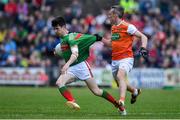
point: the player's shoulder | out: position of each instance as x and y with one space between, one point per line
125 23
76 36
122 24
73 35
128 25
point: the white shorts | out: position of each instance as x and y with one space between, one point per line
125 64
81 71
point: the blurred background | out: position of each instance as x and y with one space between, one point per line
27 40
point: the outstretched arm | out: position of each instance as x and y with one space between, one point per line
105 40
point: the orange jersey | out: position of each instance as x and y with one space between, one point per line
122 39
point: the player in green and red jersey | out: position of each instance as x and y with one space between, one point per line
75 51
83 42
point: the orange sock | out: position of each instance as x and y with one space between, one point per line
122 99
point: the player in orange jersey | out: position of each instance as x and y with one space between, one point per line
122 55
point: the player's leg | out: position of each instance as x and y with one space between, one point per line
130 88
120 70
99 92
119 75
126 65
135 92
61 83
121 105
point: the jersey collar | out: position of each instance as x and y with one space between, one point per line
120 22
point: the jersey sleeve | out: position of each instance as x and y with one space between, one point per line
131 29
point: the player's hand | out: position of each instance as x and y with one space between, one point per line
144 53
98 37
64 69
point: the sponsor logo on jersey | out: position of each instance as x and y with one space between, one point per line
115 36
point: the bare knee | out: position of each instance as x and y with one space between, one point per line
60 83
121 75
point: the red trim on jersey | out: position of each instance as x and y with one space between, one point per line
78 36
89 68
65 47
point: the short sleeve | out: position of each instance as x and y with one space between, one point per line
131 29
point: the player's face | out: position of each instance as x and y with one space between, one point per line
112 16
59 30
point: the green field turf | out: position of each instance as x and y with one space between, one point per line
30 103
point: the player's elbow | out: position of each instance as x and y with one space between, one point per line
144 38
75 51
76 54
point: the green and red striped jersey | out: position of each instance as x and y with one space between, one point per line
83 41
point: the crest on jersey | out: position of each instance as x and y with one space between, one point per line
115 36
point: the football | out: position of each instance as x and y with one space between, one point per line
58 50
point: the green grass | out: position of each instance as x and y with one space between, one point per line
46 103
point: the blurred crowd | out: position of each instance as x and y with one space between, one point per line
27 38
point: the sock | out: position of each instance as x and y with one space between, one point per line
109 97
67 94
122 99
135 92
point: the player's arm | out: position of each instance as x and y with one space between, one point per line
143 49
132 30
105 40
72 59
142 37
74 55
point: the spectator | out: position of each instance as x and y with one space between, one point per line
11 8
26 31
76 8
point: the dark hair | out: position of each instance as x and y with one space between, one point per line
118 10
58 21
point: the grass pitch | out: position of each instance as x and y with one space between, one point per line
46 103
